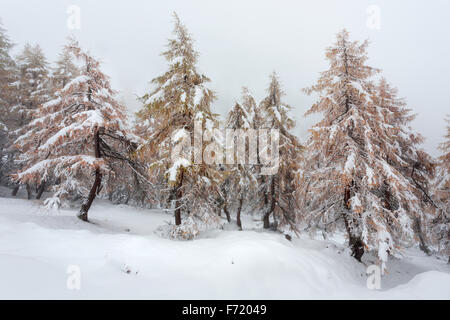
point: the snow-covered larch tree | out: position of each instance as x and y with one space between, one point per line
33 82
70 135
240 174
399 145
241 117
278 187
442 181
440 226
363 162
144 127
179 99
65 69
8 76
31 89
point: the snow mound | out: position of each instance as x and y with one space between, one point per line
120 256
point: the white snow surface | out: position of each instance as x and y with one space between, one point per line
120 257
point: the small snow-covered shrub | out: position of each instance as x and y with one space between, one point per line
187 230
53 203
201 218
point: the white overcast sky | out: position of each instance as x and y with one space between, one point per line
242 42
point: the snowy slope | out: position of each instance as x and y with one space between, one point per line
120 257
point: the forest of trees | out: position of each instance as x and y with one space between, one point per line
64 133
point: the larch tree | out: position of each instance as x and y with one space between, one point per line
31 89
65 69
442 181
241 117
144 127
400 147
278 186
250 107
181 98
440 226
33 83
363 169
62 74
7 78
240 174
73 136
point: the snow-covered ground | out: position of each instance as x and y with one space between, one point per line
119 256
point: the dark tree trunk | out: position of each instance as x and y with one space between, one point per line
15 190
357 248
40 190
356 244
387 197
28 191
266 220
238 215
83 215
272 205
178 195
141 192
96 187
227 213
418 228
266 196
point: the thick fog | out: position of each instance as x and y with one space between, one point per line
242 42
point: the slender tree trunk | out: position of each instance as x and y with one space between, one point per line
40 190
138 187
227 213
238 215
178 195
387 197
83 214
272 205
266 196
356 244
266 220
28 191
15 190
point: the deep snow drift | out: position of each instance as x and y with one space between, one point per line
120 256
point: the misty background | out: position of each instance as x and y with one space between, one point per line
242 42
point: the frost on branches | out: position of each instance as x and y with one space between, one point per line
364 172
8 77
278 187
180 98
32 85
65 69
441 224
241 177
68 139
30 90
